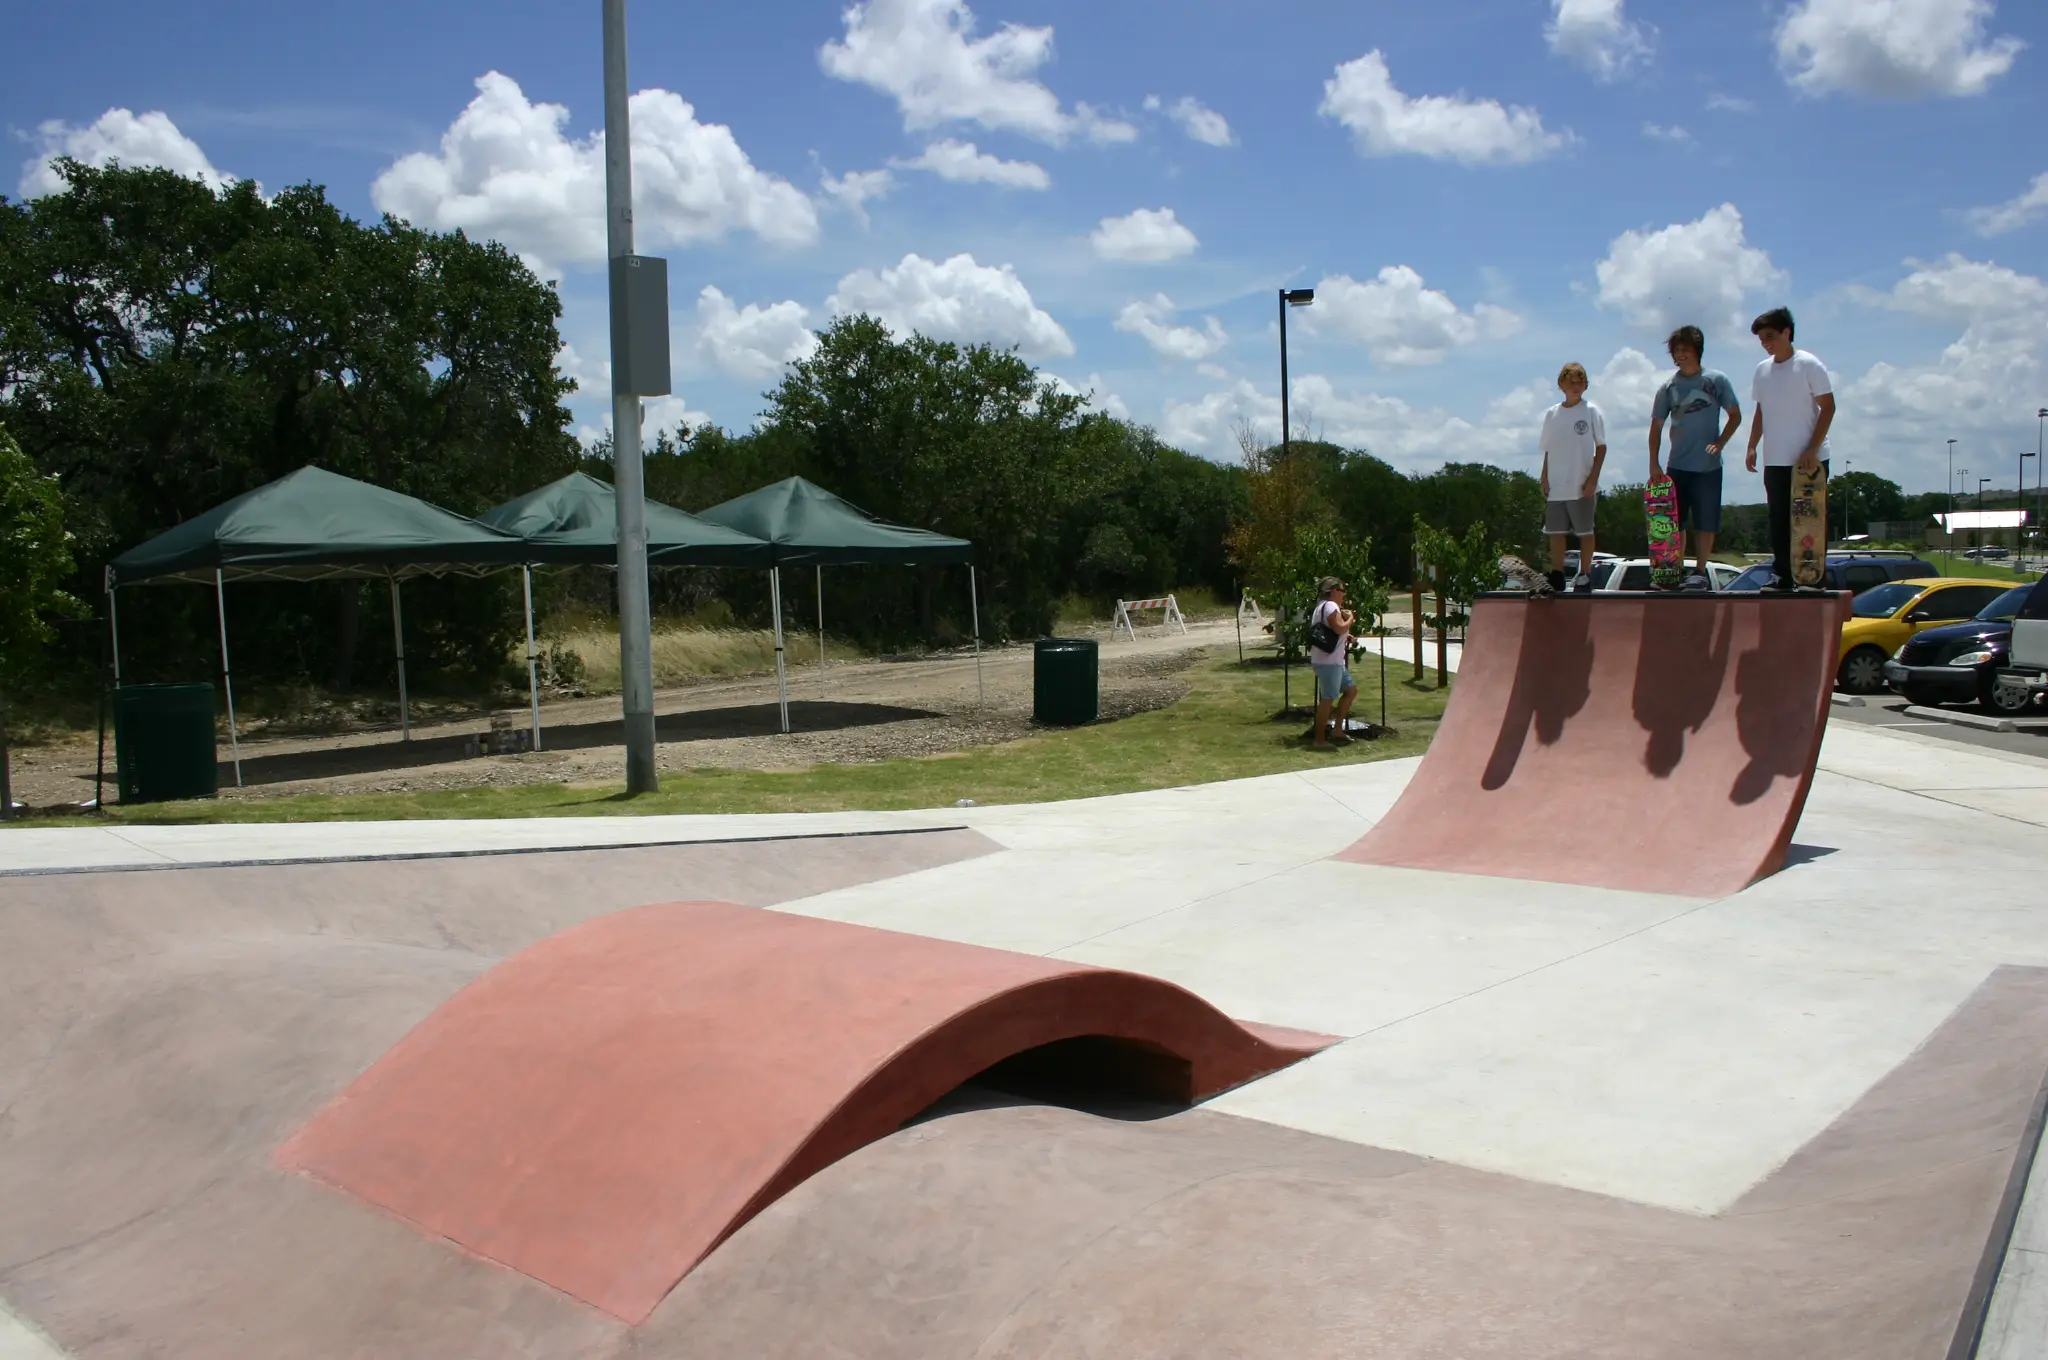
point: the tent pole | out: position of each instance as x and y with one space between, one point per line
532 658
114 624
821 631
227 675
398 641
974 608
781 680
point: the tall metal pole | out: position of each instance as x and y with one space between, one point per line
1948 537
636 649
532 657
398 645
1284 428
227 675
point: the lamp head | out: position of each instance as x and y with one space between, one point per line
1297 297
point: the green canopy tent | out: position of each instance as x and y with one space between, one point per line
805 524
575 519
312 525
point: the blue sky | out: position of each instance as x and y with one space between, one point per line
1479 190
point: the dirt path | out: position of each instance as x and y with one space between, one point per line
861 711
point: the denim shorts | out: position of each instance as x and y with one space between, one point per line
1699 499
1332 681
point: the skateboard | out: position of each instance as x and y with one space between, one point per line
1667 544
1809 527
1526 577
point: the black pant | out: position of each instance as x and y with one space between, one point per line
1778 491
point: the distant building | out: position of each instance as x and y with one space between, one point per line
1977 529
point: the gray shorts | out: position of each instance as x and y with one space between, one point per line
1570 517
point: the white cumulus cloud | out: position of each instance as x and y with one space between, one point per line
752 341
1893 49
505 170
1400 320
954 299
1386 122
1198 121
138 141
853 190
926 55
2014 213
1153 319
1597 35
1657 132
1147 236
1690 273
963 162
1100 398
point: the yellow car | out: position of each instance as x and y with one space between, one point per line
1883 618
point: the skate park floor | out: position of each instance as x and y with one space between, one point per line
1523 1054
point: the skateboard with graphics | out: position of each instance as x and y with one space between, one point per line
1810 527
1667 544
1525 577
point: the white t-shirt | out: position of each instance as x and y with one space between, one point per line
1783 395
1571 437
1325 612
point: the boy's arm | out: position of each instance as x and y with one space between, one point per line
1593 478
1545 479
1756 432
1825 404
1656 443
1734 422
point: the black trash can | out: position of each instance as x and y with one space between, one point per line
1064 691
163 742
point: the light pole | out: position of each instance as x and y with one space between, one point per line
1848 495
2040 462
1289 297
636 651
1948 527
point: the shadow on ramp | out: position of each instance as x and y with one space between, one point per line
1661 743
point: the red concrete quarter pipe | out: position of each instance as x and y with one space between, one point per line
600 1110
1661 743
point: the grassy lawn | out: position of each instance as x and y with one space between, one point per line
1973 567
1223 729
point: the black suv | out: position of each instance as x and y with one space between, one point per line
1853 572
1958 663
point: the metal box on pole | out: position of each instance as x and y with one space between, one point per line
640 364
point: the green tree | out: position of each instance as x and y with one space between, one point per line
35 557
164 347
1461 566
1459 495
1621 522
1320 551
1857 498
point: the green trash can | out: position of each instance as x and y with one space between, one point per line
1064 690
163 742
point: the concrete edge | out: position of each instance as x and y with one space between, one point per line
1976 1310
1983 722
53 871
1841 700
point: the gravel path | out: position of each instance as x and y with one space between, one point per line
861 711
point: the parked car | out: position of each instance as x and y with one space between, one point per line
1624 575
1988 554
2023 681
1884 618
1853 572
1571 562
1958 663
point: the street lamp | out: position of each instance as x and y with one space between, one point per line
1948 536
2040 416
1289 297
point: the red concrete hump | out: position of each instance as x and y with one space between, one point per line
600 1110
1661 743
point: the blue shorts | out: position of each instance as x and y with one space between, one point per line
1699 499
1332 681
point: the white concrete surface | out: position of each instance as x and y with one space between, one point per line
2016 1326
20 1341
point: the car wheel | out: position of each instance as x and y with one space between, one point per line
2007 701
1925 698
1862 671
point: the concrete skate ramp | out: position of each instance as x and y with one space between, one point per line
1014 1231
1662 743
599 1111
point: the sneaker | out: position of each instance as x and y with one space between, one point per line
1556 579
1695 582
1582 582
1778 584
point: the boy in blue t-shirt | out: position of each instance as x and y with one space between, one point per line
1693 400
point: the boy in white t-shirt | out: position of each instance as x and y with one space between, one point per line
1574 447
1795 405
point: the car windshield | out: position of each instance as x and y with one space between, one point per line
2006 607
1881 602
1754 579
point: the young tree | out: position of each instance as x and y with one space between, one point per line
1283 496
35 557
1320 551
1461 567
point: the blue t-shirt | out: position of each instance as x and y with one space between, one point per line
1694 406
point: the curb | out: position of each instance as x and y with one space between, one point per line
1980 721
